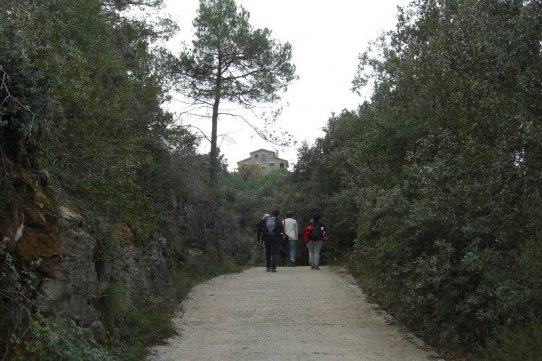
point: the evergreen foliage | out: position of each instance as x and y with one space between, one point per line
437 178
82 84
230 61
58 339
431 189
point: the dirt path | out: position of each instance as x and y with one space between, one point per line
294 314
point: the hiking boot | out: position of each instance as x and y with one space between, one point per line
273 270
268 269
312 267
316 267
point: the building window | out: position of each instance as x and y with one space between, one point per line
281 165
271 164
264 157
255 156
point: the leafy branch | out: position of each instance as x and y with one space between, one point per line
8 97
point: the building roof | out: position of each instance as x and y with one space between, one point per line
260 150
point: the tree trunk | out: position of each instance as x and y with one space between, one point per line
213 167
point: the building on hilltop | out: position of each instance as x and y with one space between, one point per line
267 160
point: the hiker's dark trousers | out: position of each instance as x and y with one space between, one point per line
272 244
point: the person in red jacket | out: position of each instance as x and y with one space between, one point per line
314 236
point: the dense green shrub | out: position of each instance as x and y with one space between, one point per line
442 168
517 343
58 339
16 294
85 103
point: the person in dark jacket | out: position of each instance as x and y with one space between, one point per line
260 225
270 229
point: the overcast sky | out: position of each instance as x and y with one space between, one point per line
326 36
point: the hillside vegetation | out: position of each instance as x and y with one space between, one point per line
106 216
431 190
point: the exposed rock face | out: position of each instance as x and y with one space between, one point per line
40 244
69 218
73 267
59 254
143 270
98 332
77 268
76 288
27 224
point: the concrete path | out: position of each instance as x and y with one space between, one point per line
293 314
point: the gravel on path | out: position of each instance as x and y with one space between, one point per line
293 314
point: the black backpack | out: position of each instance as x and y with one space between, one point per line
316 233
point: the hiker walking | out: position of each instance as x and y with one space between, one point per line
270 229
314 236
261 226
291 230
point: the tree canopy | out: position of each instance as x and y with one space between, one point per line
82 125
431 190
436 180
231 61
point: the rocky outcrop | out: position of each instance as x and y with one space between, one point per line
48 241
76 289
88 267
74 268
143 270
28 223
